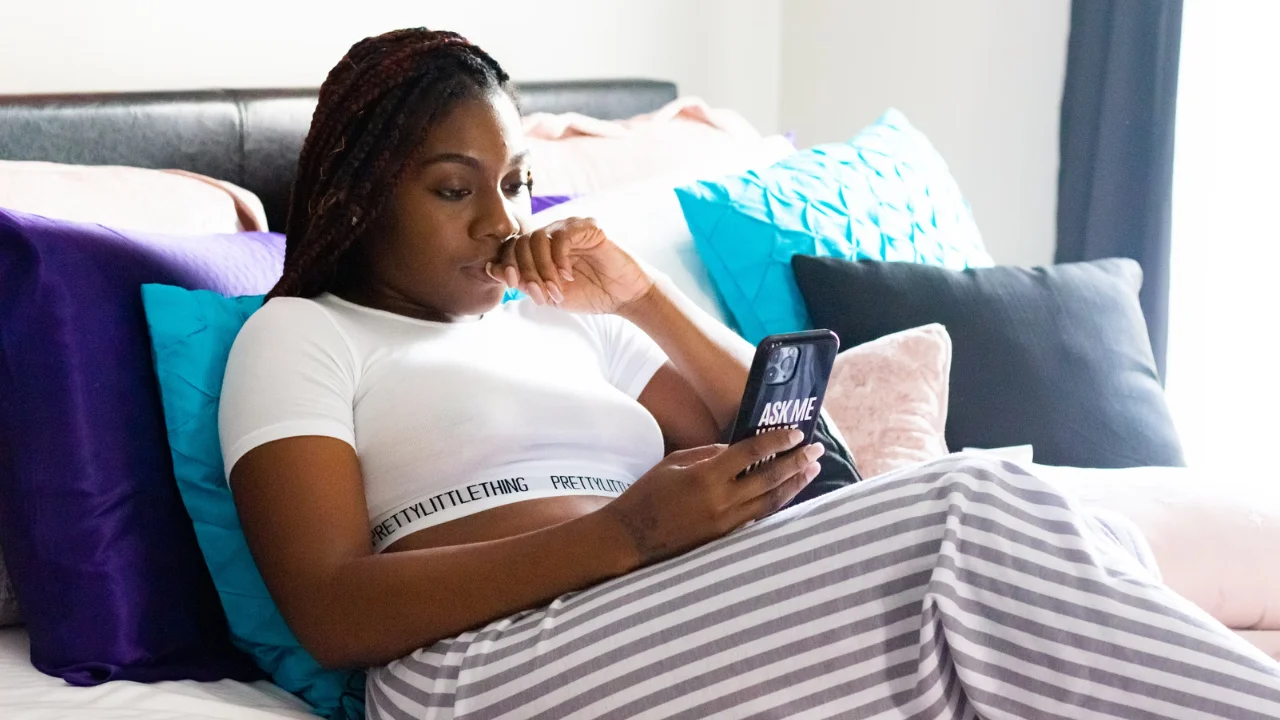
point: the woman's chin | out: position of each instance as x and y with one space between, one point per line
486 300
483 293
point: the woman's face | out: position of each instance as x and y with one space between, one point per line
466 191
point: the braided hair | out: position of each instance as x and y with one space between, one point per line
373 110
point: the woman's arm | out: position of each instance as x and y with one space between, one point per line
573 263
301 503
708 368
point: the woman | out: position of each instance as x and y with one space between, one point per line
520 510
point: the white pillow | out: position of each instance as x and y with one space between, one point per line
645 219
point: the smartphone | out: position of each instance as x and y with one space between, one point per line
787 382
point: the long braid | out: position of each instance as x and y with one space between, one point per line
372 111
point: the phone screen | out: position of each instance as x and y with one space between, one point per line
786 385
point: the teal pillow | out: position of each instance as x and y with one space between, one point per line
191 336
885 195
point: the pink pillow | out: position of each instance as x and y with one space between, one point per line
1213 536
173 202
578 155
888 397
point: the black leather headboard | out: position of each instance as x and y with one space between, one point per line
249 137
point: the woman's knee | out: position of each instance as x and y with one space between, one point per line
983 478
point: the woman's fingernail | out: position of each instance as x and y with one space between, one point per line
795 436
535 292
513 277
814 451
567 274
811 471
554 291
488 270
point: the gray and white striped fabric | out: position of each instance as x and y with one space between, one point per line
965 588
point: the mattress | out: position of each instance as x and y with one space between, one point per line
28 694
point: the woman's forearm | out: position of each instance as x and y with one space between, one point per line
711 357
393 603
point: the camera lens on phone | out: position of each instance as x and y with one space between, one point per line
788 363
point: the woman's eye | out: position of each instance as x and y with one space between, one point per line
453 193
516 188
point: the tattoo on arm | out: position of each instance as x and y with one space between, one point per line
642 529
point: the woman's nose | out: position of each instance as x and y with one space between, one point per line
496 218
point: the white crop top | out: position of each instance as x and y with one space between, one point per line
448 419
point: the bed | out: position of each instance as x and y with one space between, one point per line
252 138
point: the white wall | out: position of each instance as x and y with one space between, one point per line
981 78
723 50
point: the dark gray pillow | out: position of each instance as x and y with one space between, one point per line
1056 357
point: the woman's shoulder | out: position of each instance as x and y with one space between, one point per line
283 309
285 322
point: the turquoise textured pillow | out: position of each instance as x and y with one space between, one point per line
191 336
885 195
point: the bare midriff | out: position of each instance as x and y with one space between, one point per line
503 521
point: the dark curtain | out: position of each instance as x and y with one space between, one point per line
1116 173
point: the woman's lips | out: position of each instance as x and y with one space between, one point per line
477 271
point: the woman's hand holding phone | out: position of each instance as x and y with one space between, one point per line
695 495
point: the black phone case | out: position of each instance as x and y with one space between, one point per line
796 402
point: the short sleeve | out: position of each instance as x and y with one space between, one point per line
631 357
290 373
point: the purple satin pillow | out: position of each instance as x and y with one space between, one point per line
538 203
99 546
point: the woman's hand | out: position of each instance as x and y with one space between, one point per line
694 496
572 264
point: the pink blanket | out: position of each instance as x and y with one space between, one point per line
1214 538
548 126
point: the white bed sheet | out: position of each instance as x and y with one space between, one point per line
28 694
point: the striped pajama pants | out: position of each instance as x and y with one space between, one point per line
965 588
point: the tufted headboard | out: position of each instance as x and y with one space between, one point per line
249 137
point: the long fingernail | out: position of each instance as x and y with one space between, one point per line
488 270
536 293
811 471
513 278
554 291
567 274
814 451
794 437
